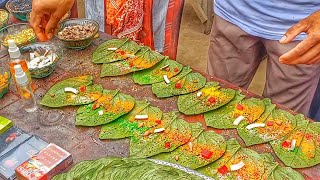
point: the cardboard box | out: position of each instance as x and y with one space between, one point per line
5 124
49 162
11 139
16 156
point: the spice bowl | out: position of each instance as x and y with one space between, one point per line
4 18
19 8
77 33
5 78
41 58
21 33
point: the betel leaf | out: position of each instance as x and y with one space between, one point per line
217 117
185 82
128 49
277 125
144 59
126 168
221 169
305 152
274 171
155 74
110 106
251 109
211 97
58 97
206 148
102 51
127 126
176 133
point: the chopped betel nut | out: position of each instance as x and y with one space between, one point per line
77 32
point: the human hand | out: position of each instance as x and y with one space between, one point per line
46 15
308 50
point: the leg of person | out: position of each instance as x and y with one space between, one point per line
315 106
234 55
292 86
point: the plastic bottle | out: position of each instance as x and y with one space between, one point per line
17 58
25 90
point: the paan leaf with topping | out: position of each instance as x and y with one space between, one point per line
144 59
83 92
128 125
155 74
206 99
110 106
185 82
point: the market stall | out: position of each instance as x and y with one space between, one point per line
130 109
57 125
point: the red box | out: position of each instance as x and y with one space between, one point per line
49 162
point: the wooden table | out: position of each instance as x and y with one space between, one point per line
57 125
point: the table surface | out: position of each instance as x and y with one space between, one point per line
57 125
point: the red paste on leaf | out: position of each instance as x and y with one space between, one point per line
167 145
240 107
223 169
212 100
286 144
83 88
178 85
269 123
206 154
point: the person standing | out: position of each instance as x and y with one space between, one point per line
288 32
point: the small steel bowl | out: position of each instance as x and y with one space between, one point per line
79 43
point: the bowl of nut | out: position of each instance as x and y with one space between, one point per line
77 33
21 33
19 8
41 58
5 78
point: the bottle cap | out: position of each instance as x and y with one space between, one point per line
20 75
13 50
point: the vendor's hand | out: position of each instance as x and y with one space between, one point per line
308 50
46 15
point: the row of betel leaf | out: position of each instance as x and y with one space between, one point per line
294 139
161 135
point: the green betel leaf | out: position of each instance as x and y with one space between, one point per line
100 54
217 117
206 99
207 148
174 134
83 92
277 125
249 109
156 74
126 168
275 171
185 82
128 125
301 147
110 106
144 59
236 163
128 49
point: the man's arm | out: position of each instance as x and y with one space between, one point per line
308 50
46 15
